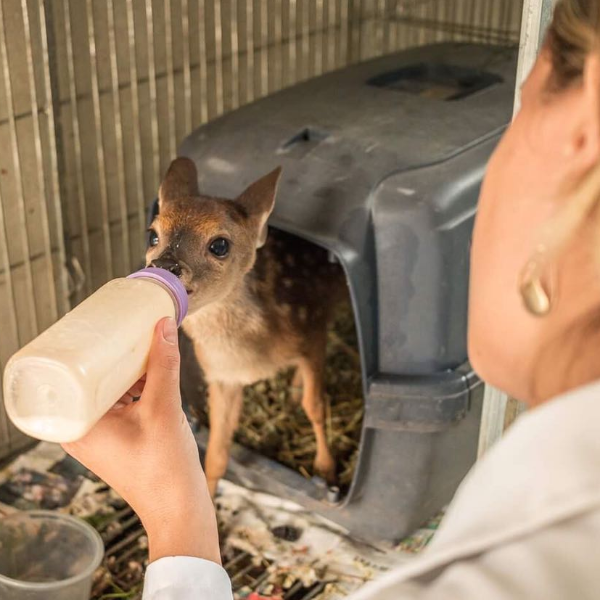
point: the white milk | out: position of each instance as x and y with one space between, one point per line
60 384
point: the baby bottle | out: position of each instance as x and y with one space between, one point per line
61 383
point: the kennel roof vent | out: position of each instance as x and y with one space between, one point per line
436 81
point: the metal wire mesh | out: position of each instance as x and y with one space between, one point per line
96 94
126 550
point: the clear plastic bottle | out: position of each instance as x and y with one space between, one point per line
61 383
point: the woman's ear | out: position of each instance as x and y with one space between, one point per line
258 201
584 145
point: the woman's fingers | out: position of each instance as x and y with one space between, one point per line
161 389
122 403
137 388
126 400
133 394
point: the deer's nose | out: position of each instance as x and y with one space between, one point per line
168 263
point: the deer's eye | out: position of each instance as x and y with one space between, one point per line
152 237
219 247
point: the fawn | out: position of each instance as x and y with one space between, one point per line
260 301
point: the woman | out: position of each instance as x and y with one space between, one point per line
526 521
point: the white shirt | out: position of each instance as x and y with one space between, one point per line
525 523
186 578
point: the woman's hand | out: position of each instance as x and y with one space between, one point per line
146 451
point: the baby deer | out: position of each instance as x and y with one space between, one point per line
259 300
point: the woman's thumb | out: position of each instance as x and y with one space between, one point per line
162 378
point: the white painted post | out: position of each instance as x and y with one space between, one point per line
536 18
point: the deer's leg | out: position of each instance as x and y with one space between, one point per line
296 387
313 403
224 406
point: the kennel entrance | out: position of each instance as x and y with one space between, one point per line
382 165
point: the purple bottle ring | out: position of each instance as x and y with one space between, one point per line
171 283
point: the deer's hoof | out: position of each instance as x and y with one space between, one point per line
325 468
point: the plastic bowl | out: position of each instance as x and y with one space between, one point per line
47 555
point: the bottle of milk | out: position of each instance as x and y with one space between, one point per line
60 384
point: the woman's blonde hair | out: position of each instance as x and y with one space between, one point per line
572 36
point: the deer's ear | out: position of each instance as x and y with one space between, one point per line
259 199
181 181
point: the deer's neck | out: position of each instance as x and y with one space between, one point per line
233 338
232 316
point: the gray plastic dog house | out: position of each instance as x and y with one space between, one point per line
382 166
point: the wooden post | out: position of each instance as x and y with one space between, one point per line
499 411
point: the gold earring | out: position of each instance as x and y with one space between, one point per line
576 205
535 297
